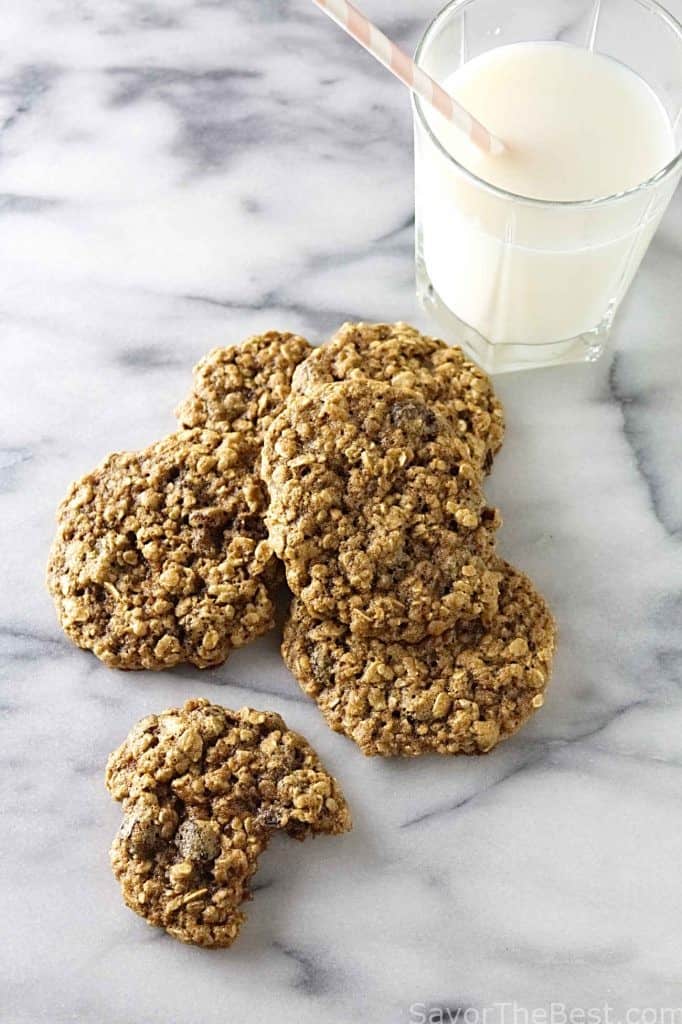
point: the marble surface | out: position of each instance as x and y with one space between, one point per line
178 174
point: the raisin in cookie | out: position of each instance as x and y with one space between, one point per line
243 387
398 354
377 512
162 556
203 789
459 693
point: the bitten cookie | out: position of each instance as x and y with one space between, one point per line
203 789
377 512
398 354
162 556
459 693
243 387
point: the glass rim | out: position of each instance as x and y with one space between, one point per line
418 108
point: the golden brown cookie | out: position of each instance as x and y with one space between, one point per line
203 789
458 693
242 388
377 512
161 556
398 354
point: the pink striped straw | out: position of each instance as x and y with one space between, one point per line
403 67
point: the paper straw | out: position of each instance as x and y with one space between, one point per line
403 67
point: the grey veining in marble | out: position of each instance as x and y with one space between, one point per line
178 174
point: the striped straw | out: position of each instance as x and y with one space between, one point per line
403 67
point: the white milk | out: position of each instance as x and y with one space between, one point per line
579 126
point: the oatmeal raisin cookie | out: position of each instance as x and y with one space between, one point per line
398 354
203 788
458 693
162 556
377 512
242 388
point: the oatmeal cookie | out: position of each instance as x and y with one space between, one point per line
459 693
162 556
203 789
398 354
377 512
243 387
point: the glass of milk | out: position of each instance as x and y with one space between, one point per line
524 258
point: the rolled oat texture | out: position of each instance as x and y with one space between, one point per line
399 354
241 388
203 789
458 693
377 512
161 556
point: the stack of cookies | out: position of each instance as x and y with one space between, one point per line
407 628
358 469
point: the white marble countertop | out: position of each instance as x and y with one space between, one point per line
179 174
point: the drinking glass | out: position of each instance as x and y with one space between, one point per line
524 282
